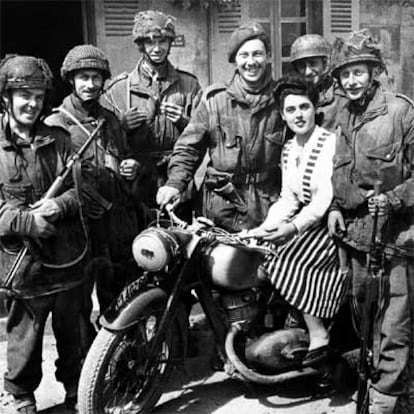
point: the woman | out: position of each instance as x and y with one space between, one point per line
376 146
305 269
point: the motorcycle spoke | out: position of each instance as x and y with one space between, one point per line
128 374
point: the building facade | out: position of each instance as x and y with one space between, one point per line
49 28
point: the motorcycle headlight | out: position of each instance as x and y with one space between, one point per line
155 248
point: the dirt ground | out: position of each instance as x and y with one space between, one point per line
197 389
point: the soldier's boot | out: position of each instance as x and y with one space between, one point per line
380 403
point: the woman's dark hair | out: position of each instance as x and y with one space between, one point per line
294 85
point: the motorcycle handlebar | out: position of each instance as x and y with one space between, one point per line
213 233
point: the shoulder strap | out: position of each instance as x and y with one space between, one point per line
74 119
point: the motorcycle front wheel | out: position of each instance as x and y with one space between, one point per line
116 377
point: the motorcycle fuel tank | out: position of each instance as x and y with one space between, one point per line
234 267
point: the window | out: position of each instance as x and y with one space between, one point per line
294 18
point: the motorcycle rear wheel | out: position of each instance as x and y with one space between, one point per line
115 378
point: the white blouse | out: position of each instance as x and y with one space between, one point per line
308 184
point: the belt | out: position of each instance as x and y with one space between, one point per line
155 154
220 178
252 177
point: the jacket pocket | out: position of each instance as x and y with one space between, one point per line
385 153
386 165
346 192
226 156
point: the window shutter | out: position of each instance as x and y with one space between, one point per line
229 18
223 21
340 17
119 17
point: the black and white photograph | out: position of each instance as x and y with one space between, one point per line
207 206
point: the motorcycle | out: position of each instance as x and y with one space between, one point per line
144 332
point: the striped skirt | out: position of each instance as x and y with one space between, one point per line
306 272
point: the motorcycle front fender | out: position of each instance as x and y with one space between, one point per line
126 310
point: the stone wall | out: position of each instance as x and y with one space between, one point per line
392 21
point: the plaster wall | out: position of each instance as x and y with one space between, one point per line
190 23
392 21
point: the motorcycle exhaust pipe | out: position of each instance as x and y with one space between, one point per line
253 375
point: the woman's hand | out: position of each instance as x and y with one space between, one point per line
256 233
282 234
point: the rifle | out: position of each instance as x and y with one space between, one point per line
51 192
370 313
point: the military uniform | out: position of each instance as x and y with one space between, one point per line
45 279
328 104
113 230
152 143
377 143
243 140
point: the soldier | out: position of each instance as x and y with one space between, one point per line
375 149
86 68
154 102
50 278
309 55
239 125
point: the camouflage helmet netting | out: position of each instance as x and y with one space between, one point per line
357 47
24 72
85 57
149 24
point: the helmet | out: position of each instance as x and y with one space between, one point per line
243 34
85 57
17 72
357 47
309 45
150 23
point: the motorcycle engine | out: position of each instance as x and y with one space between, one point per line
242 307
155 248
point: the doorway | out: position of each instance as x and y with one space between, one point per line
42 28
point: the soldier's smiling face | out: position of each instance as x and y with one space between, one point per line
88 84
25 105
312 68
157 48
251 60
355 80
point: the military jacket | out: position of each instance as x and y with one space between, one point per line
118 225
376 145
244 143
27 170
153 142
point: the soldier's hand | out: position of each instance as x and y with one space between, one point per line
133 118
336 224
167 195
378 203
129 168
40 227
48 208
172 111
